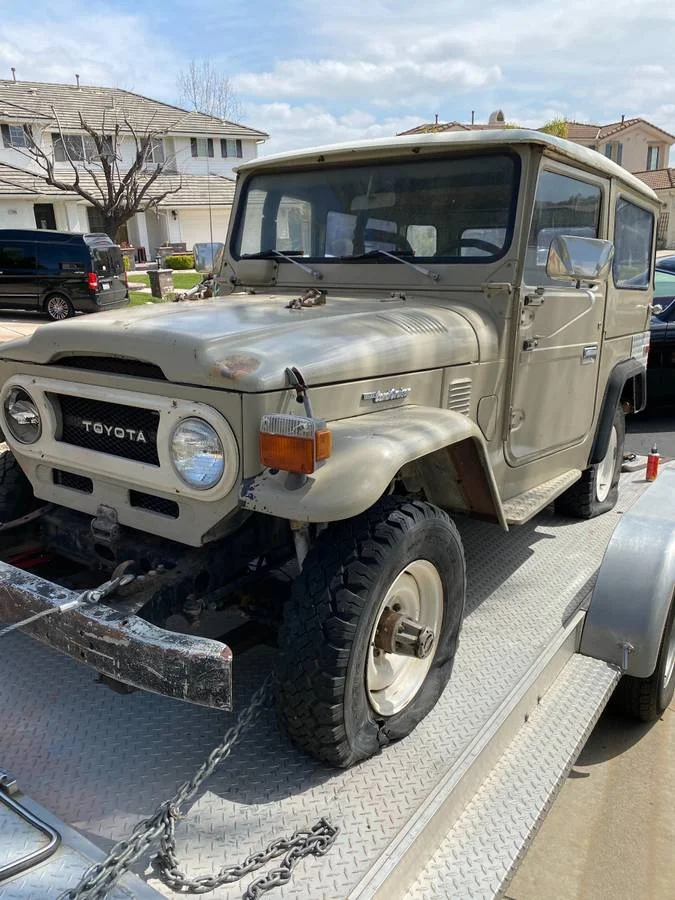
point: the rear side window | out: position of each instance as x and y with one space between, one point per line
107 261
61 259
563 205
633 231
17 257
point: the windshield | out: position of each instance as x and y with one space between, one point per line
456 209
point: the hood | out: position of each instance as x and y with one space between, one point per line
246 342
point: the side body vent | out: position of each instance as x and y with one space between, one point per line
459 395
415 322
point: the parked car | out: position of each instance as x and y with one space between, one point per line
60 273
661 364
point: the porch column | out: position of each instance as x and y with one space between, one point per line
142 226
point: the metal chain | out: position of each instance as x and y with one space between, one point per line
101 877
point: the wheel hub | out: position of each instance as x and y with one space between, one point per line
397 634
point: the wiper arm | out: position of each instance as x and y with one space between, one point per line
272 252
399 258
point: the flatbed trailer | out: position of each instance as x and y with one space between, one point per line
446 812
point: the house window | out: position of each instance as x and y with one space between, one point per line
652 157
614 151
201 146
633 230
78 148
16 135
156 154
230 147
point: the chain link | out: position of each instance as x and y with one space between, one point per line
101 877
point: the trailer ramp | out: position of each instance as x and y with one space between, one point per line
101 761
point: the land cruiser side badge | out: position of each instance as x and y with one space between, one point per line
589 354
383 396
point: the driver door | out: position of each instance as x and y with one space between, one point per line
560 329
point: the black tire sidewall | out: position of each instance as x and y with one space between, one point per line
434 540
665 692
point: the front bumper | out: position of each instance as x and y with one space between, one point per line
121 646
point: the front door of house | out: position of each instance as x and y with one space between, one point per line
44 215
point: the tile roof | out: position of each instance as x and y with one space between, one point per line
195 190
658 179
32 101
576 131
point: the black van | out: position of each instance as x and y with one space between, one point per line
60 273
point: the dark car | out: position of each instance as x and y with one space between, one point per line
661 364
60 273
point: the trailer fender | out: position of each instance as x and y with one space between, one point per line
636 584
437 448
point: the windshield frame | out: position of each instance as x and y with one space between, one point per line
482 152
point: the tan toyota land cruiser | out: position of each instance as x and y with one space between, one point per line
405 331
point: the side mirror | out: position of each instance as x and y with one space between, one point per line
207 255
579 258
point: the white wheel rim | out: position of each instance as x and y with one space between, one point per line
393 680
670 657
58 308
603 480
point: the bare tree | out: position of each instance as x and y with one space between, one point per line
95 171
209 91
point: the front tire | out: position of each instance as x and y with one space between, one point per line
59 307
343 699
16 493
597 491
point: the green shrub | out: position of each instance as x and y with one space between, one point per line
184 261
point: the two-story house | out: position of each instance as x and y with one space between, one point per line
635 144
200 152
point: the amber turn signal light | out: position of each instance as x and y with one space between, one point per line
293 443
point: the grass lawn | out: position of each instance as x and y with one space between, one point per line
182 281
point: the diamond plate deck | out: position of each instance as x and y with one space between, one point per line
63 869
102 761
481 852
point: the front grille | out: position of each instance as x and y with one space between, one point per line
73 481
126 431
154 504
116 365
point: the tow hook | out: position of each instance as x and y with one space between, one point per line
396 633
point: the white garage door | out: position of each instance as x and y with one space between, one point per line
194 226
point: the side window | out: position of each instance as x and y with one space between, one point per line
422 238
17 258
294 225
492 236
563 205
664 284
633 231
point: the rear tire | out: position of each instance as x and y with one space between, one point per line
16 493
646 699
59 307
597 491
335 687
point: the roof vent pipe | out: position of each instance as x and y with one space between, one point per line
14 73
622 118
436 117
77 79
473 116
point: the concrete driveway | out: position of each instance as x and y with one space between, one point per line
15 325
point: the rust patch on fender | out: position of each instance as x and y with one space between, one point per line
236 367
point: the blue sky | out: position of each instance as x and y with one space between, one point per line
311 72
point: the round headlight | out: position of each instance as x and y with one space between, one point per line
22 416
197 454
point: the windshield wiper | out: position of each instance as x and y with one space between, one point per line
398 257
272 253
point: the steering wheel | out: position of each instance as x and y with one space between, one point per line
471 242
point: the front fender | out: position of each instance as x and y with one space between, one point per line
368 452
636 583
